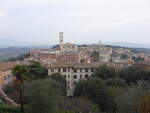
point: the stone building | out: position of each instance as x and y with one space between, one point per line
66 47
5 72
73 72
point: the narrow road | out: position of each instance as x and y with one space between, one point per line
6 99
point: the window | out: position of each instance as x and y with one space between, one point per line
86 70
68 76
80 76
64 70
52 70
4 77
75 76
92 70
68 82
65 76
86 76
68 70
59 70
80 70
75 71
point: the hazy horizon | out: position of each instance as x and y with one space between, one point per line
37 22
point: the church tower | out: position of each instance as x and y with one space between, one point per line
61 40
100 45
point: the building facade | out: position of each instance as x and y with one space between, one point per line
73 72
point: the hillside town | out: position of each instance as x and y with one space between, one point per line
76 62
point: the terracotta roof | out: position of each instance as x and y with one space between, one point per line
69 64
5 66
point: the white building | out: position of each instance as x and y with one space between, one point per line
73 72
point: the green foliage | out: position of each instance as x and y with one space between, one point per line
105 72
128 101
20 72
137 59
42 97
134 73
124 56
61 80
9 109
116 82
96 90
115 91
37 71
12 91
79 105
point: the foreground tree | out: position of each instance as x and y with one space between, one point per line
134 74
95 90
20 72
105 72
61 80
37 71
42 97
144 107
128 102
116 82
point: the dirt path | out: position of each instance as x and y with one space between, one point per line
6 99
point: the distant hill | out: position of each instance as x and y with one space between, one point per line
14 52
128 44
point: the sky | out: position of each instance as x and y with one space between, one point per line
38 22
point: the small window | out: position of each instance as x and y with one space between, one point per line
80 70
5 78
64 70
52 70
68 82
59 70
86 76
68 76
75 76
75 71
68 70
80 76
65 76
86 70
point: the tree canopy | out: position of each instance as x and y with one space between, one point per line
61 80
42 97
96 90
134 74
105 72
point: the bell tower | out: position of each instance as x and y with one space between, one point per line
100 45
61 40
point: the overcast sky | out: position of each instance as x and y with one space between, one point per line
38 22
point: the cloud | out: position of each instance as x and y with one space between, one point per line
39 21
3 15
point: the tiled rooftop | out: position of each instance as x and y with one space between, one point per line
69 64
